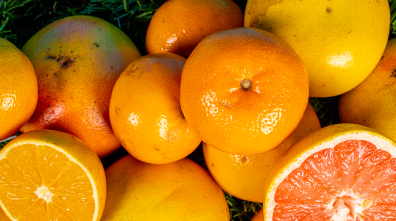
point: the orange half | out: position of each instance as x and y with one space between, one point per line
51 175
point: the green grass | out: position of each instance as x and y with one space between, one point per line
20 19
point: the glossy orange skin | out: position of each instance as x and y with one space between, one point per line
182 191
78 60
179 25
145 110
372 103
18 89
259 216
226 116
243 176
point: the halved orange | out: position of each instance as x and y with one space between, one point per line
51 175
340 172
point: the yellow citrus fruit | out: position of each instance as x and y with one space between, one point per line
77 60
179 25
181 190
340 172
18 89
145 110
244 90
243 176
259 216
372 103
51 175
340 41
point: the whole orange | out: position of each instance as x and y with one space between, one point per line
244 90
243 176
373 102
182 191
179 25
340 41
77 61
18 89
259 216
145 111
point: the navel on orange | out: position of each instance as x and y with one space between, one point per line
182 191
51 175
340 172
18 89
372 103
179 25
244 90
243 176
145 110
77 60
340 41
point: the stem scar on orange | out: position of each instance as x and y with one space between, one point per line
244 90
77 60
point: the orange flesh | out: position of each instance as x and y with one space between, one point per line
355 166
27 168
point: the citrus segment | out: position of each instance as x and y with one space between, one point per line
342 172
42 180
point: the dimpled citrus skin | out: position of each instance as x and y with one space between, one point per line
259 216
226 116
77 61
181 190
243 176
145 110
372 103
340 41
179 25
18 89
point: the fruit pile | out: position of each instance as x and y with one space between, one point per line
215 106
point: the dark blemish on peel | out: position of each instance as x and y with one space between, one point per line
96 45
49 57
328 10
393 73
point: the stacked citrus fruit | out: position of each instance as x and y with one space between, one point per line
79 89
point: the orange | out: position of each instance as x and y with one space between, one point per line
179 25
18 89
259 216
3 216
51 175
145 110
77 61
340 41
340 172
244 90
372 103
181 191
243 176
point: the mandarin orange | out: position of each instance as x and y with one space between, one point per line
259 216
182 191
179 25
77 61
18 89
145 111
244 90
243 176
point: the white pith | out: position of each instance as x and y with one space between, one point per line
350 209
381 143
3 154
43 192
